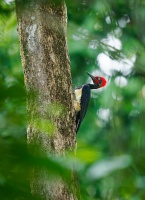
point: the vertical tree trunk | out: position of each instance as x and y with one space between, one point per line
44 55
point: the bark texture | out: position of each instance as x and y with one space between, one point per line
51 124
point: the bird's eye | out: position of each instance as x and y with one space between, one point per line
99 81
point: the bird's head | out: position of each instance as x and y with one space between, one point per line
98 80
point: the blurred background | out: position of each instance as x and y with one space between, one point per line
105 37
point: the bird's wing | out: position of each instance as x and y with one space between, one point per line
85 98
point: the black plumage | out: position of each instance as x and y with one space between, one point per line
84 102
82 97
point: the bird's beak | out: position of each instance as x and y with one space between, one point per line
92 77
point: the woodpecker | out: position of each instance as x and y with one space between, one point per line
82 97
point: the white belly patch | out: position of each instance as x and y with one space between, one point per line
77 101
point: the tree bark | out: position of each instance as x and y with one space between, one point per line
51 122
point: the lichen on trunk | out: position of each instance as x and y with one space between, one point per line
46 65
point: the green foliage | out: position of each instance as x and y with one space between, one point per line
105 38
109 41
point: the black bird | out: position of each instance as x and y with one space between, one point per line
82 97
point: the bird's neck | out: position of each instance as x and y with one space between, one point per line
92 86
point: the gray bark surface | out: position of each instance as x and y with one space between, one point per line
51 122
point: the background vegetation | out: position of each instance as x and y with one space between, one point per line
105 37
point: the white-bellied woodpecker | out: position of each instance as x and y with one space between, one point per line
82 97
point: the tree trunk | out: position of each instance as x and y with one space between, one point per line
45 60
